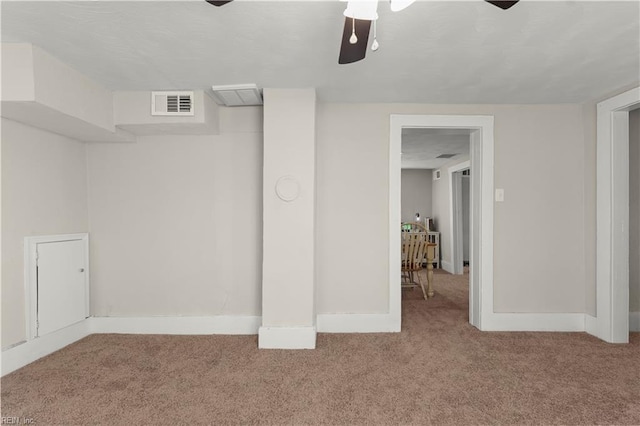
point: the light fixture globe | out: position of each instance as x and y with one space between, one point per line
398 5
365 10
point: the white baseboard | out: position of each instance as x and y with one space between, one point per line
25 353
20 355
447 266
287 338
591 324
176 325
533 322
275 337
357 323
634 321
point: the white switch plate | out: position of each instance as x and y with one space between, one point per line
499 194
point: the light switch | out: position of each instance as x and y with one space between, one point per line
499 194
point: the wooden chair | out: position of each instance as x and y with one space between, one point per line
415 244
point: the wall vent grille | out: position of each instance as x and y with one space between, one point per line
237 95
172 103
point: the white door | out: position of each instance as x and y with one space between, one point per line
62 292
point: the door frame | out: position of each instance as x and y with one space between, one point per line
481 152
31 275
455 220
612 218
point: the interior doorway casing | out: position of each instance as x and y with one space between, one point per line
455 208
612 224
481 244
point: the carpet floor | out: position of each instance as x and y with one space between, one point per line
439 370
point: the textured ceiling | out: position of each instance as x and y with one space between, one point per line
420 147
432 52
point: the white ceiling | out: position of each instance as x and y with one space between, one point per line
432 52
421 147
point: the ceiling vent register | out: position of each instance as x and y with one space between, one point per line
172 103
237 95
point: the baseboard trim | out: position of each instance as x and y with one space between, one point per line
447 266
176 325
287 338
533 322
357 323
591 324
275 337
25 353
634 321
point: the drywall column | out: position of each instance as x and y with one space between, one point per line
288 310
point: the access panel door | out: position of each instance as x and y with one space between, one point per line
62 292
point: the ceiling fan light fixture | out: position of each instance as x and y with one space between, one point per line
366 10
398 5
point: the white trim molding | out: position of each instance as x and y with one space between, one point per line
558 322
182 325
590 324
612 223
287 338
455 233
355 323
27 352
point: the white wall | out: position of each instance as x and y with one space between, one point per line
634 211
589 186
176 226
543 213
17 72
64 89
44 192
416 194
288 262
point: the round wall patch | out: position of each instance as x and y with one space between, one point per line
287 188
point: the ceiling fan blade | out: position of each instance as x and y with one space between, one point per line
502 4
218 2
354 52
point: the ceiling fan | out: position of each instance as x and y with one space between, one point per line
359 16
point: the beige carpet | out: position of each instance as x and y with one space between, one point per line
439 370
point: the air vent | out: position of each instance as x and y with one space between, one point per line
237 95
446 155
172 103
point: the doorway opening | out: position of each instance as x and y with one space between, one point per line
435 189
480 130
